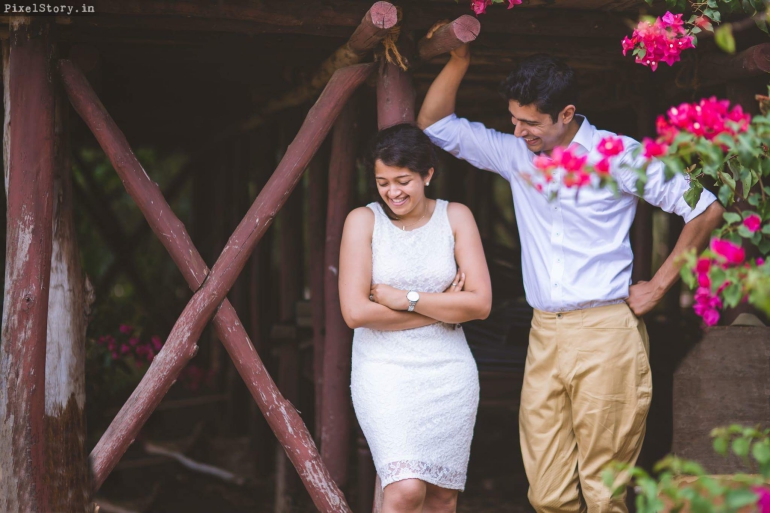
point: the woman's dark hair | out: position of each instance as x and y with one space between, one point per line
402 145
546 82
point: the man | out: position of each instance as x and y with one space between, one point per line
587 384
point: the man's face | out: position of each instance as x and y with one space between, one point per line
537 129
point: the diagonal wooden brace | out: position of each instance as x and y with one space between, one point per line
213 286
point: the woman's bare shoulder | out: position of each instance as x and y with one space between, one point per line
459 215
360 220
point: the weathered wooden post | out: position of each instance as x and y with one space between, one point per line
212 286
69 300
29 169
317 239
335 417
463 30
395 96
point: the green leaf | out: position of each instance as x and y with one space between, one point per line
720 445
731 217
764 246
724 38
693 193
761 452
740 445
733 295
725 195
739 498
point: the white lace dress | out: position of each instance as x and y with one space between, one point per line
416 392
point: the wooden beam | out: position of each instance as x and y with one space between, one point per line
335 18
335 415
463 30
29 185
752 62
379 19
212 286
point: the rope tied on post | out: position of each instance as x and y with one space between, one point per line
389 48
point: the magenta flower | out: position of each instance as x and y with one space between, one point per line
480 6
760 262
763 499
603 166
703 265
660 41
511 3
710 317
124 349
731 253
652 149
610 146
752 223
133 341
707 118
157 343
126 329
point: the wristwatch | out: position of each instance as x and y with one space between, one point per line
413 296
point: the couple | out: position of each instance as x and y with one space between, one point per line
587 383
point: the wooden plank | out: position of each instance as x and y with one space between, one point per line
212 286
335 414
463 30
29 184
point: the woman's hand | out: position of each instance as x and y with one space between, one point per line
458 283
391 297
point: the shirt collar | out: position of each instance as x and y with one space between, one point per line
585 134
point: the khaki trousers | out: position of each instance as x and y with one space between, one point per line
586 392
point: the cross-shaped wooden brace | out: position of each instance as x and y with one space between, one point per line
211 287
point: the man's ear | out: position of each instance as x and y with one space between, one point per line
567 114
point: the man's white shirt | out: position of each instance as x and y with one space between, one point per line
576 251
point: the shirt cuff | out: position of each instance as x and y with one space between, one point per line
706 199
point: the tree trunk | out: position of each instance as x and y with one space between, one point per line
29 177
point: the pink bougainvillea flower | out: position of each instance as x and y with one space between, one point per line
126 329
567 159
603 166
610 146
125 348
578 178
480 6
133 341
707 118
660 41
763 499
710 317
731 253
652 149
703 265
157 343
511 3
760 262
543 163
752 223
703 23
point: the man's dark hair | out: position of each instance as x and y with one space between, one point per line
546 82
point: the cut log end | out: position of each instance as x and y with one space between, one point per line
384 15
466 28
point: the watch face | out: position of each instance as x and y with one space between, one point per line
412 296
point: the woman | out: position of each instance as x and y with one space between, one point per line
414 382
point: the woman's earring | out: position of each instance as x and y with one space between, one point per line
427 184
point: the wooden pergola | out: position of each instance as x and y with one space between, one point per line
149 62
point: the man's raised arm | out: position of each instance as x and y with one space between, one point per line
441 97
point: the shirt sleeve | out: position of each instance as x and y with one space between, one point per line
482 147
668 195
